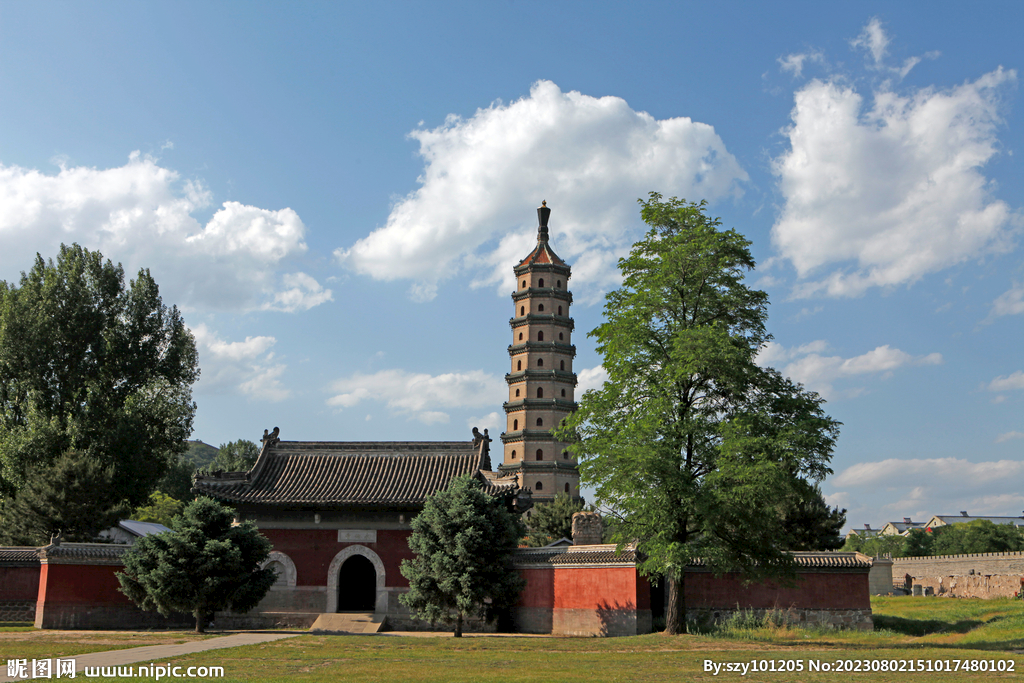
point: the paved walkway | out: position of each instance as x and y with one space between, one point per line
158 654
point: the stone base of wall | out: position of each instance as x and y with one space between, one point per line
406 622
105 616
859 619
17 610
600 622
260 620
970 586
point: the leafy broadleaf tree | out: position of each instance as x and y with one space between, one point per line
161 509
94 368
62 498
203 565
690 441
236 456
464 540
549 522
979 536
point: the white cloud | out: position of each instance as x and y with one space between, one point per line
887 192
807 365
589 157
246 367
921 487
419 395
794 63
873 39
591 378
1010 302
1008 383
141 214
303 294
1008 436
494 422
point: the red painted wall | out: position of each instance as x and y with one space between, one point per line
19 583
585 588
312 551
71 583
817 590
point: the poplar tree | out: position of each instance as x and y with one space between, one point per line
690 441
464 540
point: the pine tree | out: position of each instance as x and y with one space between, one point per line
464 542
203 565
549 522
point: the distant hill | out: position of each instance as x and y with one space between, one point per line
200 454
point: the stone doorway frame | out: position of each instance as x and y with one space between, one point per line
380 602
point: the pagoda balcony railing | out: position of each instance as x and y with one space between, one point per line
563 294
527 435
536 374
539 404
557 347
540 319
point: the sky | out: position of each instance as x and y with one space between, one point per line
334 195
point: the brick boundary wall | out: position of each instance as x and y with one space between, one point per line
996 575
17 610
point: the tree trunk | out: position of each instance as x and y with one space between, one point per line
675 618
200 621
458 625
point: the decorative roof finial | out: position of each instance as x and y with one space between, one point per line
542 215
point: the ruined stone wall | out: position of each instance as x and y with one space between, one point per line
983 575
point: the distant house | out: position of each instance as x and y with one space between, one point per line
865 533
900 528
964 518
127 530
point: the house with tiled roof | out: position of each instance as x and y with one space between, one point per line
901 528
964 518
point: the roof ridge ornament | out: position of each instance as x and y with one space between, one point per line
543 212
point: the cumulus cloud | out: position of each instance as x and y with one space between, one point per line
246 367
421 396
1008 383
921 487
794 63
589 157
591 378
1008 436
882 193
1010 302
141 214
817 372
494 422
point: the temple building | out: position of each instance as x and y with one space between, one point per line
541 381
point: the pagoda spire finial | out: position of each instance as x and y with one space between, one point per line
542 216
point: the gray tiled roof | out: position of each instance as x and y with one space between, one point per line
325 473
83 553
576 555
821 560
13 555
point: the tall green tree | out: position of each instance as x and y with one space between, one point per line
690 440
203 565
549 522
810 523
92 367
235 456
979 536
464 541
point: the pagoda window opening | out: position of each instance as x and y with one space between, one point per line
558 283
540 454
540 422
522 310
540 486
540 336
540 307
515 425
519 365
540 392
560 337
540 362
540 283
520 336
562 363
565 456
524 283
517 392
563 393
513 455
567 488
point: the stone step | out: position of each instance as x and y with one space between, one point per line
348 622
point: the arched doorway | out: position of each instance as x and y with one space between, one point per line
357 585
338 586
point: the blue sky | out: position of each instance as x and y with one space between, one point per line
335 194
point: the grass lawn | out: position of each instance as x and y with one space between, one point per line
23 641
908 629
